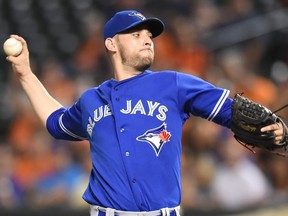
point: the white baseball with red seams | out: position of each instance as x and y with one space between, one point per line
12 47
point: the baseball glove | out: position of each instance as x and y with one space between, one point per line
247 120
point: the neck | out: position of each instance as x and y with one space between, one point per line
125 73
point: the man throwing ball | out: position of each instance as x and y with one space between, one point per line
134 121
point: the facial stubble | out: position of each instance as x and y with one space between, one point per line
137 61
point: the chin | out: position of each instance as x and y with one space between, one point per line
144 63
144 67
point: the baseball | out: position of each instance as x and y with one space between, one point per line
12 47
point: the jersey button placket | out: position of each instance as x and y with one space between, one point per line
121 127
117 98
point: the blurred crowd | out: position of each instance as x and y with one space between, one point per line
39 171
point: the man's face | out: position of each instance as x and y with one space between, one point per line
136 48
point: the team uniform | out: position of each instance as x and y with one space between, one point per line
134 128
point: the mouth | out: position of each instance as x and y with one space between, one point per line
147 49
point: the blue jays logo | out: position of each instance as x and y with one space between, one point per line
156 137
138 15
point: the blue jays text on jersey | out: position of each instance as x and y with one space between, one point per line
138 107
134 128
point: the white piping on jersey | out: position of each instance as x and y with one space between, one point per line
67 131
218 105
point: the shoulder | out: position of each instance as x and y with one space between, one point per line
161 73
104 87
89 91
164 74
171 73
169 77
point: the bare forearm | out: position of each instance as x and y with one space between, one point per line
43 103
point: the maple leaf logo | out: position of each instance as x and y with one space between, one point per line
165 136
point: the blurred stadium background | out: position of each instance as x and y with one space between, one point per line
237 44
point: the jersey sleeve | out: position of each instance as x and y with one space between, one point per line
201 98
66 124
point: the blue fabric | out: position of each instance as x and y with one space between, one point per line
135 129
128 19
103 214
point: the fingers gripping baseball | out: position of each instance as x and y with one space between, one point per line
20 63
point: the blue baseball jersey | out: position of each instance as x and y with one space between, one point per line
134 128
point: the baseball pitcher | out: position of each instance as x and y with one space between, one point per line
134 121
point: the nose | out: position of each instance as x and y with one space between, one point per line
147 37
148 44
148 41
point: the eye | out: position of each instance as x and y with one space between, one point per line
150 135
136 34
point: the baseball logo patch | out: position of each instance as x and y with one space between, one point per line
156 137
138 15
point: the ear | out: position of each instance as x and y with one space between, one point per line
110 44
